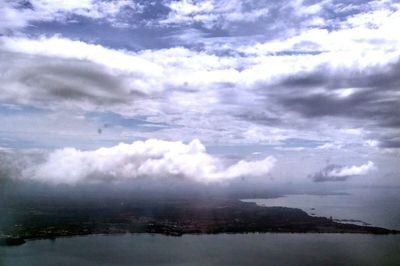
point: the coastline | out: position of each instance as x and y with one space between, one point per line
275 220
15 241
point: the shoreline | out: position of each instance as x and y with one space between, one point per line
17 241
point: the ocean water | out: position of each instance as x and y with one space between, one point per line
223 249
378 207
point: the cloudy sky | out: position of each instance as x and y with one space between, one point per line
208 90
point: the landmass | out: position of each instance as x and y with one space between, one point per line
169 217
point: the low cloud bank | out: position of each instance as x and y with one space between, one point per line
142 159
341 173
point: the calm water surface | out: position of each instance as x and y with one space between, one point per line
238 249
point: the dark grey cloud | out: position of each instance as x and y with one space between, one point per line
324 104
372 101
52 81
74 81
375 96
13 162
324 175
390 142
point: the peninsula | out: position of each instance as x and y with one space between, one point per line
169 217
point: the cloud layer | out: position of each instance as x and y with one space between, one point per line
152 158
237 75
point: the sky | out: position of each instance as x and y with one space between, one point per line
209 91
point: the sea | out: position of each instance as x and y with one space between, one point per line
373 206
378 207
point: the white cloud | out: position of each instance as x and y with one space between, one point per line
55 5
352 170
335 173
289 148
70 49
188 7
211 13
148 71
15 16
265 135
149 159
352 131
11 18
329 145
347 46
371 143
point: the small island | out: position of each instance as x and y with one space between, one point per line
168 217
